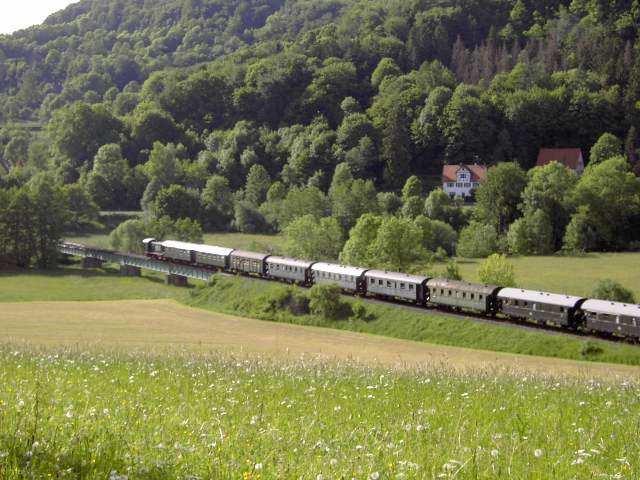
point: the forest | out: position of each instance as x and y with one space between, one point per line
331 115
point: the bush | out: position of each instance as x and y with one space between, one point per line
289 299
477 241
497 270
607 289
590 349
325 301
451 271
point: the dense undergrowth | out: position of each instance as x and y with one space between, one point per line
93 415
278 302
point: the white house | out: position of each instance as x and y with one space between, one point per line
460 180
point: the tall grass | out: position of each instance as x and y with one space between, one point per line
92 415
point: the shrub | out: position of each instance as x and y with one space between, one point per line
325 301
451 271
497 270
607 289
477 241
590 349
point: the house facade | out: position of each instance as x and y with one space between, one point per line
461 180
569 157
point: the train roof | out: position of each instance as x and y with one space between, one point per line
460 285
338 269
395 276
291 262
148 240
611 308
541 297
178 244
251 255
197 247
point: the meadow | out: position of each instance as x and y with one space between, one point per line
115 415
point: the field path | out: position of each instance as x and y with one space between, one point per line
160 325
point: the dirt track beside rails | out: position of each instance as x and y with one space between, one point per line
160 325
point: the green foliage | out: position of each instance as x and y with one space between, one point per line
217 202
176 201
611 193
357 249
412 188
607 146
247 218
608 289
437 235
128 236
498 195
451 271
312 238
32 219
531 234
82 211
258 184
549 190
477 240
325 301
108 181
497 270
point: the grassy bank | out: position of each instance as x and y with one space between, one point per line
103 415
274 301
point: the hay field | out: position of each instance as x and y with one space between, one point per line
164 325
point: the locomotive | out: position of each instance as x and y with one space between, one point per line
577 313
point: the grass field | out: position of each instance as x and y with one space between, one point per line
101 415
570 275
73 284
165 326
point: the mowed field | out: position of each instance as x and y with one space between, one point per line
164 325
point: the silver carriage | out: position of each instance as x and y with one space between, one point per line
289 269
212 256
346 277
612 317
176 250
248 262
455 293
396 285
540 307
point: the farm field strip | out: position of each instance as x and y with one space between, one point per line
165 325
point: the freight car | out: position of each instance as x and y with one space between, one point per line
522 305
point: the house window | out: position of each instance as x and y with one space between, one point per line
467 184
451 184
459 184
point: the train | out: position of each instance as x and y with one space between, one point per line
542 308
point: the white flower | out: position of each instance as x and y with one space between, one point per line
20 404
538 452
333 462
257 466
374 476
319 477
495 453
68 414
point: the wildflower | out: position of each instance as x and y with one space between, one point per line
257 466
374 476
495 453
68 414
333 462
20 404
538 452
319 477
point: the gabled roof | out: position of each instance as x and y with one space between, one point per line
450 172
569 157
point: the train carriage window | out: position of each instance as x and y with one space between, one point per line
449 292
401 286
442 291
464 294
373 280
515 302
472 296
526 304
379 282
480 297
388 284
410 286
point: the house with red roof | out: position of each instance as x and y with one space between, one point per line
569 157
461 180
